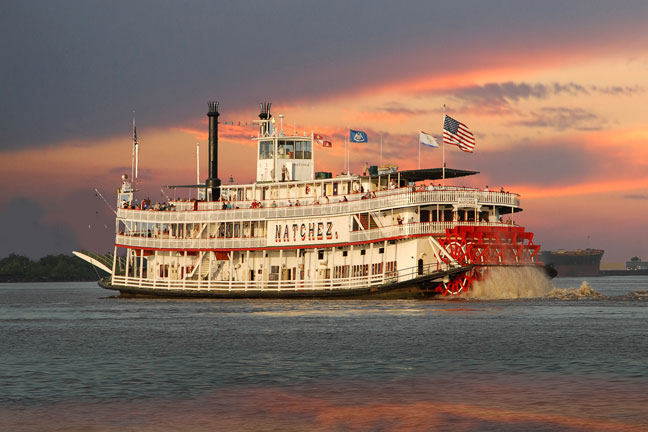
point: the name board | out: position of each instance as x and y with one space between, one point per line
308 231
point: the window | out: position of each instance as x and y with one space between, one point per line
320 254
265 150
286 150
303 150
299 150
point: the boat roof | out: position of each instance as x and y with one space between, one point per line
430 174
408 175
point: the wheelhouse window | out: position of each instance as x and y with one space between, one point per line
286 149
303 150
265 150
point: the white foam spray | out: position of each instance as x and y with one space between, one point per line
512 283
585 291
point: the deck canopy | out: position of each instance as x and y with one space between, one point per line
430 174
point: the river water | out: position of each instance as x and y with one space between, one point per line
75 358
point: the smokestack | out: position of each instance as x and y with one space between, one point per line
213 182
264 114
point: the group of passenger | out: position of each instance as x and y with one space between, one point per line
147 205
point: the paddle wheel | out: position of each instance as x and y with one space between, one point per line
484 246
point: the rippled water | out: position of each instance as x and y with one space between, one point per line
74 358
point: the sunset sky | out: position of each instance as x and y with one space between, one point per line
555 92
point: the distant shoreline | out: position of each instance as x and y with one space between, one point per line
51 268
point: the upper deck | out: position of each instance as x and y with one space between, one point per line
396 213
247 210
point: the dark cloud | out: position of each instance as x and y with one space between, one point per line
535 163
500 94
505 95
26 233
78 68
396 108
562 118
636 196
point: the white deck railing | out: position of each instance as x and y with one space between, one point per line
225 286
375 234
402 197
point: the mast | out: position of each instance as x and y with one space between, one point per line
197 163
135 148
443 148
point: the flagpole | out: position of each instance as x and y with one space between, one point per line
419 152
313 156
381 148
443 148
348 151
135 151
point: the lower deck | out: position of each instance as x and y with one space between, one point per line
322 268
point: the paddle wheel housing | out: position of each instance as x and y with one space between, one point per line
484 247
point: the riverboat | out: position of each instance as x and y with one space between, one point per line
294 233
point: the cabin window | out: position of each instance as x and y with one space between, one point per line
286 150
265 150
303 150
299 150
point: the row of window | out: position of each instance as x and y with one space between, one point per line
286 149
345 271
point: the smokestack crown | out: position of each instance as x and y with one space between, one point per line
213 108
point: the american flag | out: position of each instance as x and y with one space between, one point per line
456 133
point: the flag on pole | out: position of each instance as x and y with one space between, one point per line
428 140
357 136
457 133
319 139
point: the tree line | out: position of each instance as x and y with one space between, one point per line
51 268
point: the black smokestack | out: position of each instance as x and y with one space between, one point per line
213 182
264 114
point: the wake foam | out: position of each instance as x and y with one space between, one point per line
585 291
512 283
532 282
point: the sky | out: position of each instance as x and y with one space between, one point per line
555 92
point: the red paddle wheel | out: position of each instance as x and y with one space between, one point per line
485 246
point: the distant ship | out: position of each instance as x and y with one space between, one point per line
574 263
296 234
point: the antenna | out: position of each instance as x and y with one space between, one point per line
197 163
135 150
164 193
104 200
